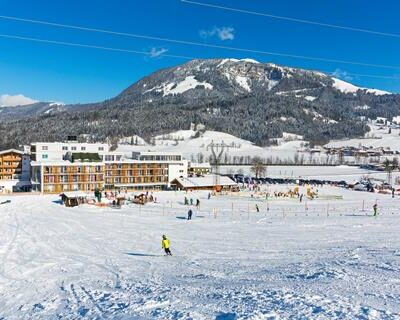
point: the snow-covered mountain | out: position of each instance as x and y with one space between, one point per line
29 110
346 87
251 100
212 77
7 100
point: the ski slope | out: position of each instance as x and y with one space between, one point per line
320 259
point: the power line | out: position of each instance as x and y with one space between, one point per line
321 24
82 45
91 46
200 44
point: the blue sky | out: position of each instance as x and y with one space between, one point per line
50 72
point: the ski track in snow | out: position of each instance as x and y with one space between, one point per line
93 263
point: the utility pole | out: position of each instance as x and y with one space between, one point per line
217 150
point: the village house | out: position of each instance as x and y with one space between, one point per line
14 170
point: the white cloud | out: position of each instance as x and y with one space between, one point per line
222 33
340 74
156 52
7 100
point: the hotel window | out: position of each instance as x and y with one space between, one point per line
45 156
65 148
73 148
45 148
83 148
101 148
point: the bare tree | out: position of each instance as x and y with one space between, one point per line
258 167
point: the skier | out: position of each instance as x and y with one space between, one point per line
191 201
392 192
165 244
197 203
186 201
190 213
375 207
209 195
257 208
301 198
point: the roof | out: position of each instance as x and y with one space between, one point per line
11 150
75 194
207 181
64 163
200 165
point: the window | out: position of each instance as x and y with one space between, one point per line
101 148
65 148
83 148
45 156
73 148
45 148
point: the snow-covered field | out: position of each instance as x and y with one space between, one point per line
319 259
191 146
333 173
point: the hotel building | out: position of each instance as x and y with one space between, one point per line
63 167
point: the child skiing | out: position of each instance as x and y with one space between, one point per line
190 213
165 244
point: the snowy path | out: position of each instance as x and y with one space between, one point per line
91 263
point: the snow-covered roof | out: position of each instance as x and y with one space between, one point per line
11 150
200 165
207 181
75 194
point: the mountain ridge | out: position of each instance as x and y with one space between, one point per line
251 100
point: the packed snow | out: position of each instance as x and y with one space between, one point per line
320 259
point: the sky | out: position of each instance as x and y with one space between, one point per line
54 72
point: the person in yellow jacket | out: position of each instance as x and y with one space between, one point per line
165 244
